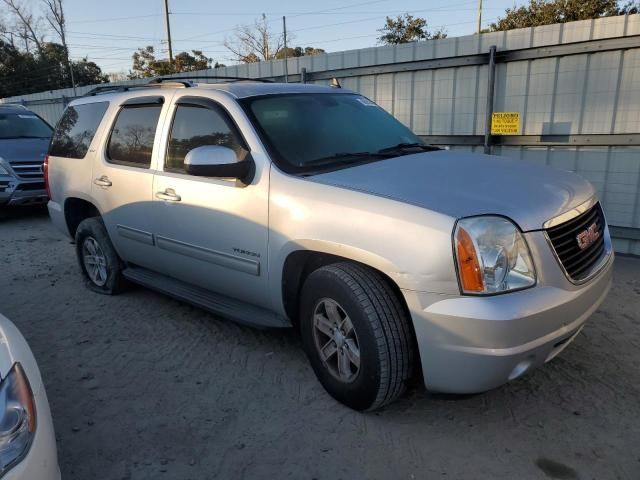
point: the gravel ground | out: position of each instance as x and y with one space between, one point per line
144 387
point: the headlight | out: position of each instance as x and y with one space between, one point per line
3 170
492 256
18 418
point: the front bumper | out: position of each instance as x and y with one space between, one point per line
41 460
21 193
474 344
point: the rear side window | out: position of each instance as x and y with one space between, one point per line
194 127
131 140
75 130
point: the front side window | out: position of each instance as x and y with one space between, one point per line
195 126
131 141
75 130
332 129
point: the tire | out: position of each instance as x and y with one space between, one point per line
381 332
92 238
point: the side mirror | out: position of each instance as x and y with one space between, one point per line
218 161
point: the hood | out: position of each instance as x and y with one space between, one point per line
23 149
462 184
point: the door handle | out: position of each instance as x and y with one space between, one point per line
169 195
103 181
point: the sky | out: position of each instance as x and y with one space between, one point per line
108 32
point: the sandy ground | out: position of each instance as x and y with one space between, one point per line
144 387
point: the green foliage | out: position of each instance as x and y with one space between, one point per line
23 72
546 12
146 65
299 52
407 28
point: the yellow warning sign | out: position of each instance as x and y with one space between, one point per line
505 123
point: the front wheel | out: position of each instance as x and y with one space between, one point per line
100 264
356 334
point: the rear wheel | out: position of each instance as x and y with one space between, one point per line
100 264
357 335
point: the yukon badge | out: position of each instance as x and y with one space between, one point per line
588 236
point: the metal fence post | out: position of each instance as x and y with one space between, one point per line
491 83
303 75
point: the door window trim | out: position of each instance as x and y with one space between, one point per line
145 102
210 104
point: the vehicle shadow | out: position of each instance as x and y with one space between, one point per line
18 213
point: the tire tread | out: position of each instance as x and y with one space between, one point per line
390 325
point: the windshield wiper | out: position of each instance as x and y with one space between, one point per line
348 157
401 147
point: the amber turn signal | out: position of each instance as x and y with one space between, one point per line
468 264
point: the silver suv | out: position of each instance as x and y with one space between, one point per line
24 139
283 205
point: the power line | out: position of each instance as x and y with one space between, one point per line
314 27
114 19
293 16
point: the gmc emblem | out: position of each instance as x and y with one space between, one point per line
587 237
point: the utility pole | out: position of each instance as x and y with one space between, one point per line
286 67
166 19
479 17
70 65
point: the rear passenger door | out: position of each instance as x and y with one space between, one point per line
211 232
123 176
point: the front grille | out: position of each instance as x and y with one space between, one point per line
579 262
29 170
29 187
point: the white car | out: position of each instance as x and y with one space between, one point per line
27 441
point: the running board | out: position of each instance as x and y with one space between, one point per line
236 310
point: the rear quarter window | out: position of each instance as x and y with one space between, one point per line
76 129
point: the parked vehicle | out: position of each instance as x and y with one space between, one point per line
24 140
285 205
27 440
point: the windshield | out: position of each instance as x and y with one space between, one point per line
304 131
23 125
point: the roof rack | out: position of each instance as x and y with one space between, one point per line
125 88
158 80
110 88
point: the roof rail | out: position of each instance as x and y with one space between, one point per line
110 88
158 80
125 88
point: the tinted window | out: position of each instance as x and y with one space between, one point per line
197 126
303 129
76 129
23 125
131 140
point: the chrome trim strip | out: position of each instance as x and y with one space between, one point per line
135 234
573 213
244 265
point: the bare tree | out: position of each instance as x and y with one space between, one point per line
27 26
255 43
6 33
55 17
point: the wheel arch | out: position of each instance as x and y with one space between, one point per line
299 262
76 210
